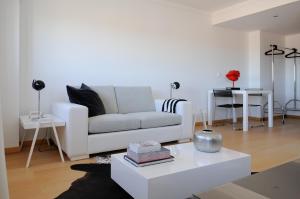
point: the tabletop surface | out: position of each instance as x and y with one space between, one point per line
44 122
186 158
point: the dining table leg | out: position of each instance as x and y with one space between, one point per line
245 112
209 108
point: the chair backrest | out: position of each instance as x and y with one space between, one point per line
222 93
256 95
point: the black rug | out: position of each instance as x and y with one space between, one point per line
95 184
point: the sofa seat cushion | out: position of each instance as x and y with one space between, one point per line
112 122
156 119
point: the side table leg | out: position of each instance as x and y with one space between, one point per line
48 138
32 146
58 143
23 138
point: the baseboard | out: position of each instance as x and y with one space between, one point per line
29 142
215 122
11 150
251 118
276 117
198 124
218 122
293 116
17 149
256 119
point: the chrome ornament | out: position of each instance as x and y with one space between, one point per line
208 141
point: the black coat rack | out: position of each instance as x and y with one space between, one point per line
280 109
294 55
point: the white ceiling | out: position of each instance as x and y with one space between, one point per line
207 5
287 22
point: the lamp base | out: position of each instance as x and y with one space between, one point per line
34 115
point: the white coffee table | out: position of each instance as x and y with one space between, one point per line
191 172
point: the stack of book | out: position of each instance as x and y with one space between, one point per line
147 153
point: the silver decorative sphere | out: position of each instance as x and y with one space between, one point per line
207 141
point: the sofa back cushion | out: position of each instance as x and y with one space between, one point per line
108 97
88 98
134 99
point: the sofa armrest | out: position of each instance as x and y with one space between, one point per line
183 108
74 139
158 104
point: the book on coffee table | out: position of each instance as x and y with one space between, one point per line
145 147
148 163
162 153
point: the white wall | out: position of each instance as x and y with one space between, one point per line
3 179
130 42
292 41
254 40
9 70
254 70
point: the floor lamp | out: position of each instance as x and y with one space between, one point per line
3 174
174 85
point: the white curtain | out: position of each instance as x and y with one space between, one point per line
3 176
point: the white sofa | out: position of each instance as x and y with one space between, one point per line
131 116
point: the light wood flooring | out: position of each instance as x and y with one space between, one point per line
48 177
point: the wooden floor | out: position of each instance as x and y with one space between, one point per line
48 177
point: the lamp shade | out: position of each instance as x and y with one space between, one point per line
38 85
175 85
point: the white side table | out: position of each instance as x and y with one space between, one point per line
48 121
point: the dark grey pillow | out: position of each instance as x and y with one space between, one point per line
86 97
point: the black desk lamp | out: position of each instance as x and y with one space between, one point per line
38 85
174 85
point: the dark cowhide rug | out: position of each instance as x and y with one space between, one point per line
96 183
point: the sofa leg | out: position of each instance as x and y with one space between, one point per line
184 140
80 157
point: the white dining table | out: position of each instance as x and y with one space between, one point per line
245 94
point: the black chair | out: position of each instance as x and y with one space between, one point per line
261 108
232 106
